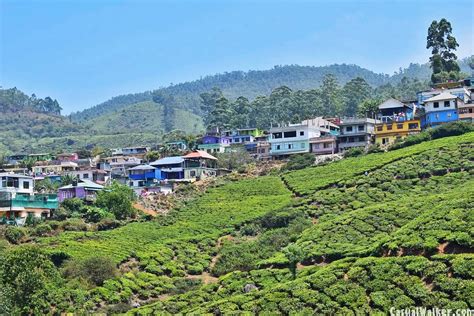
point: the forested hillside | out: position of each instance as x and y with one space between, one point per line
357 236
261 82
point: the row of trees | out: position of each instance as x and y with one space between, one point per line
14 100
355 98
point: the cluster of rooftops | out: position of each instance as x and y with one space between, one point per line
392 121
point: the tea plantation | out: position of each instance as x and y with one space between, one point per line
357 236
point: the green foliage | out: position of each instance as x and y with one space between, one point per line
117 199
443 44
300 161
94 269
27 277
14 234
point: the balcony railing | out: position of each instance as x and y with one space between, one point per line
46 201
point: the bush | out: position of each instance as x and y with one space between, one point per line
451 129
43 229
108 223
117 200
300 161
94 269
75 224
96 214
14 234
354 152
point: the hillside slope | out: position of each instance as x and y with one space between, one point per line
260 82
144 117
360 235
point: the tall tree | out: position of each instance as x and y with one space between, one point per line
221 115
443 44
241 107
355 92
331 95
208 103
168 103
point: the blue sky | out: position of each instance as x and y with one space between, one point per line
84 52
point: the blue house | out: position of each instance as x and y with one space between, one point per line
144 175
442 108
170 168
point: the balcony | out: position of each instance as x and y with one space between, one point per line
46 201
142 176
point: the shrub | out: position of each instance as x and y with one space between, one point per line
300 161
117 200
43 229
96 214
14 234
354 152
451 129
74 224
108 223
94 269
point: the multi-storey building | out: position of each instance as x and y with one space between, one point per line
356 132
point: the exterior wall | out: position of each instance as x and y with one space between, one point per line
443 105
199 173
291 139
439 117
25 185
213 148
323 145
387 133
466 112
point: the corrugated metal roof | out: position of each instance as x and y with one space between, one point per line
168 161
143 167
199 154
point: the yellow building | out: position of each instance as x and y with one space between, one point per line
387 133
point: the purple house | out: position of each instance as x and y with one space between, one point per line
82 189
214 144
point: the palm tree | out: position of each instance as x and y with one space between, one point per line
67 179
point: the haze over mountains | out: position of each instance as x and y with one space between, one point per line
135 119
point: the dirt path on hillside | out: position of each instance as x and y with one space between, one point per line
140 207
206 277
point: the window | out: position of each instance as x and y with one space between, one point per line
360 128
316 146
301 133
412 125
379 128
436 105
446 104
277 147
327 145
351 139
389 127
12 183
26 185
361 139
277 135
449 114
349 129
289 134
399 126
290 146
85 176
384 141
437 116
192 173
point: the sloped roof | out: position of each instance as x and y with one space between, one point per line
168 161
391 104
143 167
85 184
441 97
199 154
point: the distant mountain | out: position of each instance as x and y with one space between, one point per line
259 82
31 124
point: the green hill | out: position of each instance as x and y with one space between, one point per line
146 117
357 236
254 83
